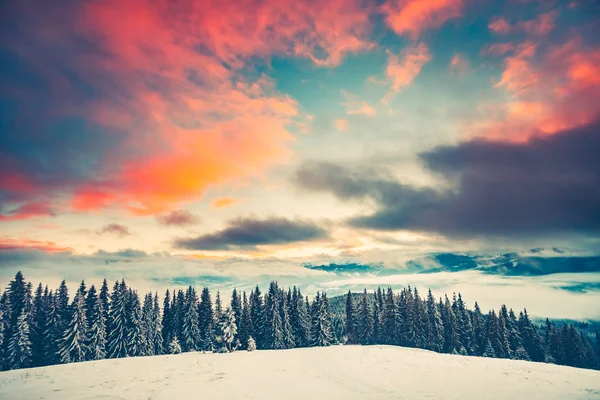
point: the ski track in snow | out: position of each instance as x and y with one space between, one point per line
338 372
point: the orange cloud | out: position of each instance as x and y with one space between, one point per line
26 244
222 202
412 17
499 25
401 71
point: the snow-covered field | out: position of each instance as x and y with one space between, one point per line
340 372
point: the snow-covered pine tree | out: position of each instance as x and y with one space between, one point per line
167 326
532 341
104 298
273 324
351 322
390 319
97 331
206 320
435 329
136 336
62 306
300 319
218 307
19 346
174 346
3 324
157 338
489 350
117 321
258 321
377 314
451 336
321 331
504 350
227 330
251 344
178 311
245 328
236 307
364 318
191 339
420 321
37 326
148 327
480 337
288 334
74 344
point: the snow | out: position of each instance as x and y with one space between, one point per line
348 372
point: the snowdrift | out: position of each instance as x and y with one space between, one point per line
348 372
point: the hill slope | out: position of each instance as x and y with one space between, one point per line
349 372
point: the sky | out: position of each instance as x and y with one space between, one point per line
156 139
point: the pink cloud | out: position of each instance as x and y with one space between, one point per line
403 69
28 244
412 17
542 25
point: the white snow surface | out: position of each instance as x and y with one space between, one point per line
338 372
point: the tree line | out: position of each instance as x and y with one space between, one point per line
46 327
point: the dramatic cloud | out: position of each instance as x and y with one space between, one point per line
412 17
547 185
178 218
114 229
250 232
148 114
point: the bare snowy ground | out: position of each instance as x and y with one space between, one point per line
348 372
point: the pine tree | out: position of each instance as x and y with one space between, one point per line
174 347
16 336
300 319
258 321
74 344
480 337
390 319
273 324
167 326
245 328
62 306
148 326
157 339
136 339
435 329
206 320
532 341
351 323
377 316
321 331
191 323
117 321
451 336
4 316
288 334
251 344
236 307
364 316
37 327
227 330
489 350
97 332
104 298
19 346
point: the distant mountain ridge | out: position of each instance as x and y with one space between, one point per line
534 262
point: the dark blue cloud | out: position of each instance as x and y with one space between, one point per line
547 185
250 232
